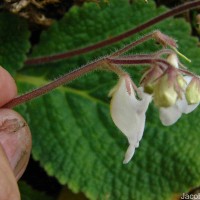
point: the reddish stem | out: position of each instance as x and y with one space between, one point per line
137 61
186 72
71 76
175 11
54 84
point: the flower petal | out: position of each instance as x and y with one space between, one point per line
129 154
128 114
145 100
184 107
170 115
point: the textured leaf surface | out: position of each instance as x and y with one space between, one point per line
73 135
14 42
27 193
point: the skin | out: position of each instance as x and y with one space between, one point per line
8 184
15 141
8 87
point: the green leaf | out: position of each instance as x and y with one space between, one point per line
28 193
74 137
14 42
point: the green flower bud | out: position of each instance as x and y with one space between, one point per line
193 91
164 92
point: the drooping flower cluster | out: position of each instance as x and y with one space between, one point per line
173 92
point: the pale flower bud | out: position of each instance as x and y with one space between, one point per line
181 82
128 113
193 91
164 92
170 115
173 60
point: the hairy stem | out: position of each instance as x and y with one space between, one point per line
138 61
54 84
101 63
186 72
144 56
175 11
80 72
133 44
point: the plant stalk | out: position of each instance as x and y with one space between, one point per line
54 84
173 12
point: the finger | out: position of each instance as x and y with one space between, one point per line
15 138
7 87
8 184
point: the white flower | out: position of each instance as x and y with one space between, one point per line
170 115
128 113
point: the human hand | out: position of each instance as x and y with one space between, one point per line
15 141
